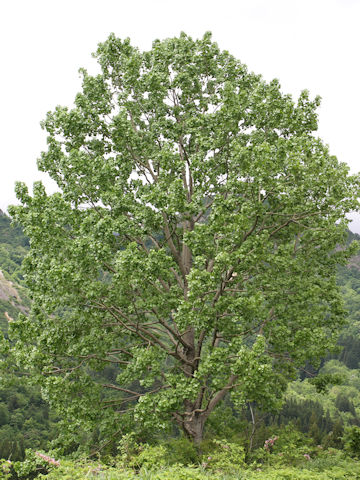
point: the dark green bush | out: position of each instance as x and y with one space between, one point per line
352 441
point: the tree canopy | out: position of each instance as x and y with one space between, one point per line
193 243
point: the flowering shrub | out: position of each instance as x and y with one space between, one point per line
33 465
48 459
289 447
270 443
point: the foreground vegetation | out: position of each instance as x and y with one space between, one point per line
282 457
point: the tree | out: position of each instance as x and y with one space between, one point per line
193 243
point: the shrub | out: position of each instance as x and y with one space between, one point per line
288 447
226 457
136 455
352 441
182 451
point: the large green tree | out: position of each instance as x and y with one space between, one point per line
193 243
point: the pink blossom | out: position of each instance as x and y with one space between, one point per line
48 459
307 456
270 442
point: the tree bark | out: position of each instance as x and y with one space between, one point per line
192 422
194 427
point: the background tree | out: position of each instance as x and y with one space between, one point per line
192 243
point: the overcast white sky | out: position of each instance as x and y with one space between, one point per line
311 44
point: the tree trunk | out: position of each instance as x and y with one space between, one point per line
193 428
192 421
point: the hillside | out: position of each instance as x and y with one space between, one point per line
13 248
25 421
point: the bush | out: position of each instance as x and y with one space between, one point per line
226 457
136 455
182 451
288 447
352 441
5 470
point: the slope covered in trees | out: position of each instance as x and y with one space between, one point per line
13 247
25 421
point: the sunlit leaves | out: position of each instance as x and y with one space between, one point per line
194 241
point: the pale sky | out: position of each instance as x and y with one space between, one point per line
312 44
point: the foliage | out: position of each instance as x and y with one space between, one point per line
13 247
349 281
136 455
192 243
288 447
322 416
352 440
182 451
322 381
5 470
225 458
25 421
328 465
11 234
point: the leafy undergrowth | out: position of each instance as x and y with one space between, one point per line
220 460
69 470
